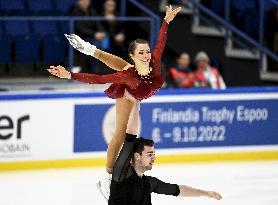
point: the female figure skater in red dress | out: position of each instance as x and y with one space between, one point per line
131 84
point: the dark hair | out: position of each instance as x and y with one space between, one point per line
132 47
140 143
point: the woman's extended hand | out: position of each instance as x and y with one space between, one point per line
59 71
170 13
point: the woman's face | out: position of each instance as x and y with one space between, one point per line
84 4
110 6
142 54
183 60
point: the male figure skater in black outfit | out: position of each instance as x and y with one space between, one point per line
129 185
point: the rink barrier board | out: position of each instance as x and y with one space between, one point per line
162 159
66 157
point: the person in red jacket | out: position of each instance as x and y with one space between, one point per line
181 75
206 75
132 83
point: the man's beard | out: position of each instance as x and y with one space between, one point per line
149 167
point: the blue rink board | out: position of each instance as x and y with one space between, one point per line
188 124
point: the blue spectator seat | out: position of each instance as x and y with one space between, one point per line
12 7
44 27
54 48
17 27
6 47
1 27
5 53
27 48
269 5
63 7
63 26
41 7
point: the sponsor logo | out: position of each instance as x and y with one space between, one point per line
11 136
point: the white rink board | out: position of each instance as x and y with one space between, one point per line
46 131
41 126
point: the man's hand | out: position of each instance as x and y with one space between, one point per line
81 45
213 194
170 13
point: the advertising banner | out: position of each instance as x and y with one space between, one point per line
80 125
186 122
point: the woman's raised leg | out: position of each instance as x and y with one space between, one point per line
112 61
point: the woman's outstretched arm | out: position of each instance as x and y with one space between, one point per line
119 77
161 41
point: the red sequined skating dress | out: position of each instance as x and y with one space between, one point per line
139 86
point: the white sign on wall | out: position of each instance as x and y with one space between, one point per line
35 130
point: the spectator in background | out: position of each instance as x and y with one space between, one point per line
87 29
206 75
271 36
181 75
114 29
91 31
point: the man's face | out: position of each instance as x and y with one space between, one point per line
146 160
202 63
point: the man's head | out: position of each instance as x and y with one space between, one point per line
202 60
143 154
183 60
